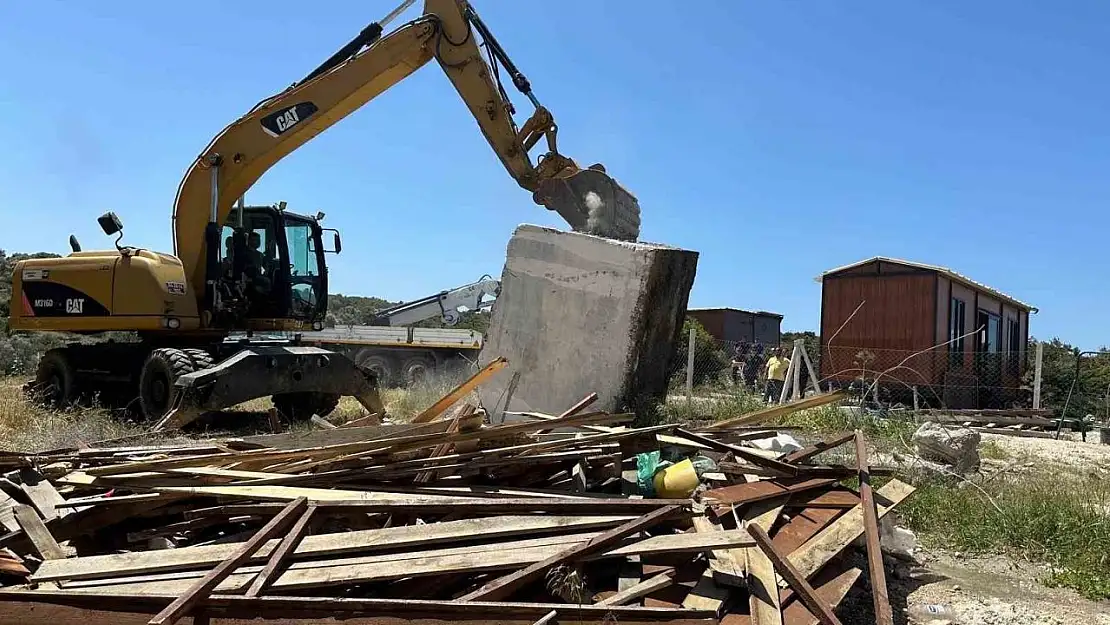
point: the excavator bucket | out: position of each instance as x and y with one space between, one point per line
261 371
592 202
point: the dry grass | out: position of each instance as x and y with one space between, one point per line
25 427
28 428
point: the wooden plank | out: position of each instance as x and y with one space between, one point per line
199 591
411 537
806 524
332 454
460 391
7 514
32 525
504 586
706 594
779 410
21 607
467 559
806 453
347 433
444 449
389 502
879 595
997 420
764 603
631 573
547 618
280 557
795 578
11 564
842 498
116 500
1018 433
726 565
817 552
640 590
42 494
741 494
323 423
749 455
830 588
87 521
370 419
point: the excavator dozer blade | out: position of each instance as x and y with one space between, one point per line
592 202
261 371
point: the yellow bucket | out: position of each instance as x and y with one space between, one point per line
677 481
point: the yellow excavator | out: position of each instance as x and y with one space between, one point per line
253 269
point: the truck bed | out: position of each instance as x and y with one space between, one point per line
444 338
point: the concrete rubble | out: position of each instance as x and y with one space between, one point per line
957 447
577 313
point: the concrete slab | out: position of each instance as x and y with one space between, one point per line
580 314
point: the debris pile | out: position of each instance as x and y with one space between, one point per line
541 519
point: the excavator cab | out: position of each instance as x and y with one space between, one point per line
271 269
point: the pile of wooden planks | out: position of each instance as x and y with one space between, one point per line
539 519
1011 422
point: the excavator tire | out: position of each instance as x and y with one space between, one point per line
55 380
301 406
156 381
201 358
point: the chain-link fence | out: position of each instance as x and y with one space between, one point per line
1078 383
942 377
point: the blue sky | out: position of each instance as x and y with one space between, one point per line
778 139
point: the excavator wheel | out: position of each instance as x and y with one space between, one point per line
201 358
301 406
55 380
156 381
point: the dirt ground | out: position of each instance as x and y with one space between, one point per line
948 589
994 590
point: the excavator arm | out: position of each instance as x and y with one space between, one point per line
448 30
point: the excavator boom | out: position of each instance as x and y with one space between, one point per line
588 199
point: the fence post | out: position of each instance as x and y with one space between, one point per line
690 365
1037 376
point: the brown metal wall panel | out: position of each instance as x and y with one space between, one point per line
712 320
896 320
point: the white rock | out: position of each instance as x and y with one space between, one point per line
958 447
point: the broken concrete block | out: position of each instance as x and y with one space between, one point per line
579 314
958 447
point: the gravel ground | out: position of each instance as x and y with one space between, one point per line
1072 453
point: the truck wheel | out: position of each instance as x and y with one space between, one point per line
417 370
301 406
55 380
156 381
382 368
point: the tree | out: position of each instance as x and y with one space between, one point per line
709 358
